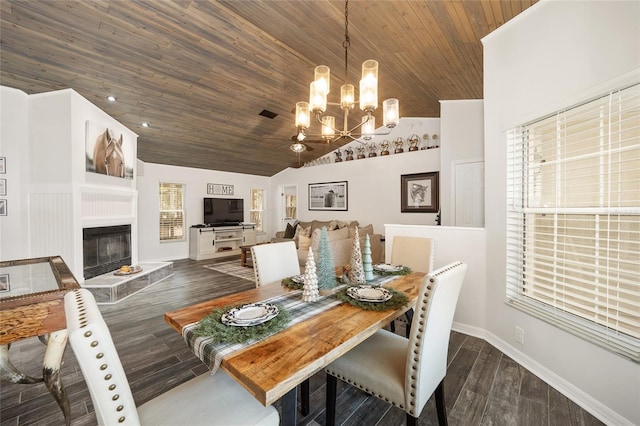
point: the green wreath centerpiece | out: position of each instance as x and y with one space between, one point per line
290 283
211 326
398 299
405 270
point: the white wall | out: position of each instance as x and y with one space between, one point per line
373 183
373 188
14 142
462 131
151 249
553 55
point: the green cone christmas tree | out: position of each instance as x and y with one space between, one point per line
356 275
326 270
367 263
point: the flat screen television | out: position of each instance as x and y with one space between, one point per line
223 211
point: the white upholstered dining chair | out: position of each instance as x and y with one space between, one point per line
205 400
271 263
275 261
415 252
418 254
406 372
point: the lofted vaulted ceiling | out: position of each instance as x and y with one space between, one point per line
200 72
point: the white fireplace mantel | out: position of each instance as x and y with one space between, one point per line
60 197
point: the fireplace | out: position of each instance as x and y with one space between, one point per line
105 249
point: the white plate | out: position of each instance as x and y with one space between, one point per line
385 267
298 279
251 314
365 293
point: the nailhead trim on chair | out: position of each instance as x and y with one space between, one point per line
256 269
420 330
352 383
99 355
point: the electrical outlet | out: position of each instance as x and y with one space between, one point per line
519 335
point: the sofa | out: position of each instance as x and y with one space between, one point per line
341 233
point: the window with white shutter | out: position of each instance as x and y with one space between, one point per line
172 214
256 213
573 220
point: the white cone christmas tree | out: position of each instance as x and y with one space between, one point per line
310 288
357 272
367 264
326 270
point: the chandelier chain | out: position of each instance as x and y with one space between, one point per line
347 40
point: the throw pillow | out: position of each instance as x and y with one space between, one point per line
290 232
346 224
304 242
315 239
332 225
365 230
306 232
302 231
317 224
362 230
338 234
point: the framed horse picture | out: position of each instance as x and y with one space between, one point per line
107 152
419 193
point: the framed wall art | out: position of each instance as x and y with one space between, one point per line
419 193
3 187
328 196
3 165
5 285
3 207
108 152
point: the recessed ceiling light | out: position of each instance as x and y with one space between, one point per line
144 124
111 98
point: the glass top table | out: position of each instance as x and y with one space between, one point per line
43 277
32 304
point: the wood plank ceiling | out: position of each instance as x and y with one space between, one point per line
200 72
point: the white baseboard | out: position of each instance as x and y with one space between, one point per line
587 402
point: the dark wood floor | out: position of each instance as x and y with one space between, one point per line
483 386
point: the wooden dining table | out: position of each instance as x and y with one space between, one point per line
272 368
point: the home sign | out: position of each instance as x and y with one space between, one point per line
219 189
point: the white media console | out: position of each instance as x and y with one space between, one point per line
209 242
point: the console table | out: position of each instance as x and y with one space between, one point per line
208 242
32 304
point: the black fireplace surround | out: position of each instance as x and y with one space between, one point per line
105 249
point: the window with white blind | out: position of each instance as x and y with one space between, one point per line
573 220
256 213
172 214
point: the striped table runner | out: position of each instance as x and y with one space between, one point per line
212 353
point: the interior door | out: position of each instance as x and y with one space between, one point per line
469 194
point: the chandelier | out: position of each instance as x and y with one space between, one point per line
368 102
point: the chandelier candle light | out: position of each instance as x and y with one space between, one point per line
320 89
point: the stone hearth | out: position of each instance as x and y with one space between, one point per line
109 288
